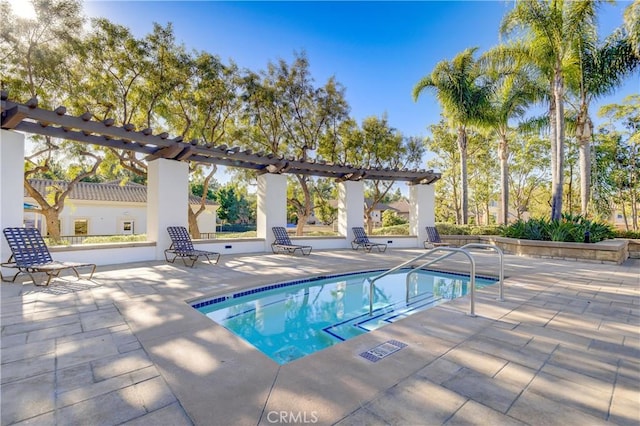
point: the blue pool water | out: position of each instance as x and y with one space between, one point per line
289 320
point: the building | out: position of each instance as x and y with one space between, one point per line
108 208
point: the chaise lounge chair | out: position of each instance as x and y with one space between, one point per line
361 240
29 254
283 243
182 246
433 238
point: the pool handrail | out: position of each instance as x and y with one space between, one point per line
501 255
467 246
433 250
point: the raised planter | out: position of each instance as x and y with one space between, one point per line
608 251
634 249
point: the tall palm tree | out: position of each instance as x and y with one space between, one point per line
464 100
550 30
514 90
602 68
631 24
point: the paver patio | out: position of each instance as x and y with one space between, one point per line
125 348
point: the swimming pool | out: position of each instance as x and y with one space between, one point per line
289 320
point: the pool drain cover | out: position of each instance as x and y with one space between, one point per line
383 350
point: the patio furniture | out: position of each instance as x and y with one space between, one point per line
433 238
182 247
283 243
361 240
29 255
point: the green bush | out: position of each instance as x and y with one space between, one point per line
451 229
247 234
392 230
115 239
635 235
571 228
391 218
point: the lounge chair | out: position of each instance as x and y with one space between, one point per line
29 255
283 243
182 247
433 238
361 240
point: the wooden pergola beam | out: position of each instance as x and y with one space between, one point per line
31 119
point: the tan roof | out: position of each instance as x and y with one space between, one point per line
402 206
105 191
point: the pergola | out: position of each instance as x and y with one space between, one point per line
167 158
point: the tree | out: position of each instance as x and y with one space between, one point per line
602 68
528 176
204 109
229 210
391 218
447 160
464 100
631 24
482 170
40 61
618 154
550 29
374 144
514 92
289 116
324 192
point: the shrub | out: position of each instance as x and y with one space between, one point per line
635 235
571 228
451 229
391 218
392 230
115 239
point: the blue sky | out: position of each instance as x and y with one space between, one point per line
377 50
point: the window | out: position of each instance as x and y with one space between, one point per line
81 227
127 227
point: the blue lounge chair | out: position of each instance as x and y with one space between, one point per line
361 240
283 244
433 238
182 247
29 255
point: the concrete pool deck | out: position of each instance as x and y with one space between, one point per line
125 348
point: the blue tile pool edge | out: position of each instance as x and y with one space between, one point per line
218 299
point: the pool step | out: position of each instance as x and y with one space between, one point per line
382 315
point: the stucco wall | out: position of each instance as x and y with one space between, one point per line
106 218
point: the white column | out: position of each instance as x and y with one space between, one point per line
350 207
421 210
11 185
272 206
167 200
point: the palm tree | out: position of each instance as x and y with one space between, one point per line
631 19
551 28
602 69
464 99
514 91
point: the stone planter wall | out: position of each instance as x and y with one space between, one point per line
608 251
634 249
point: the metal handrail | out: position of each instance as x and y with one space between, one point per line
466 246
433 250
424 265
501 254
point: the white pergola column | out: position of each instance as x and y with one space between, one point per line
11 185
350 206
272 206
167 200
421 210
